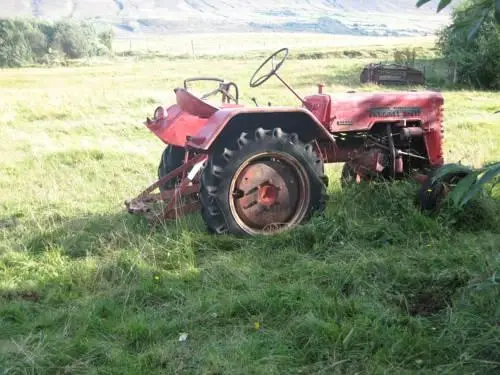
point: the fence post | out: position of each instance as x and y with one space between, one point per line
192 49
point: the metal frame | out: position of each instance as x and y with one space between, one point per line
223 88
173 203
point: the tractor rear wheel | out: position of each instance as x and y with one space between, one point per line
172 158
265 183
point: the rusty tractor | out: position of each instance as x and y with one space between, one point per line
252 170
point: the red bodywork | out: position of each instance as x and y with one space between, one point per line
199 124
357 128
354 112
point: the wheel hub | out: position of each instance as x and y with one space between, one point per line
266 193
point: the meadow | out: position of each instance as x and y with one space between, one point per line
373 287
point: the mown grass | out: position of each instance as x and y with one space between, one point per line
373 287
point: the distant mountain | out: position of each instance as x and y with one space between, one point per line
356 17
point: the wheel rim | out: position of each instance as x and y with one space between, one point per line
269 193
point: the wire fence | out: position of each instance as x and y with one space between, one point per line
234 43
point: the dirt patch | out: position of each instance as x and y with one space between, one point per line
429 303
347 289
433 296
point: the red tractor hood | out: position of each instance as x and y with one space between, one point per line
336 112
359 111
385 99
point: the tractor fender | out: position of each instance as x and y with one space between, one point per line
176 126
229 123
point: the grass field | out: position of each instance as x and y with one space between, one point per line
229 44
374 287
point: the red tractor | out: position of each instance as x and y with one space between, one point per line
258 170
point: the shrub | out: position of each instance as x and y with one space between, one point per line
405 56
24 42
106 38
37 41
475 60
71 40
14 48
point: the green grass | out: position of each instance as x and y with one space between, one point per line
374 287
230 44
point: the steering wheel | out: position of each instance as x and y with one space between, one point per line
224 88
255 82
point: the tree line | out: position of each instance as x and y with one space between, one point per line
26 42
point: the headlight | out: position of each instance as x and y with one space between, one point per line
160 113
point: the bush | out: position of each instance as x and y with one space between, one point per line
14 48
37 41
406 56
475 60
106 39
25 42
71 40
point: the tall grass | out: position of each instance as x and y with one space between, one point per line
373 287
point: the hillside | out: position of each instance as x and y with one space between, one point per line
356 17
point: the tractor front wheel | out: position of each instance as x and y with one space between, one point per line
172 158
432 194
265 183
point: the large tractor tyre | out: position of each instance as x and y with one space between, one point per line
265 183
431 194
172 158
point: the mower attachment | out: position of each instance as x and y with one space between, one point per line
172 203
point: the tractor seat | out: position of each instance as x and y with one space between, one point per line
193 105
